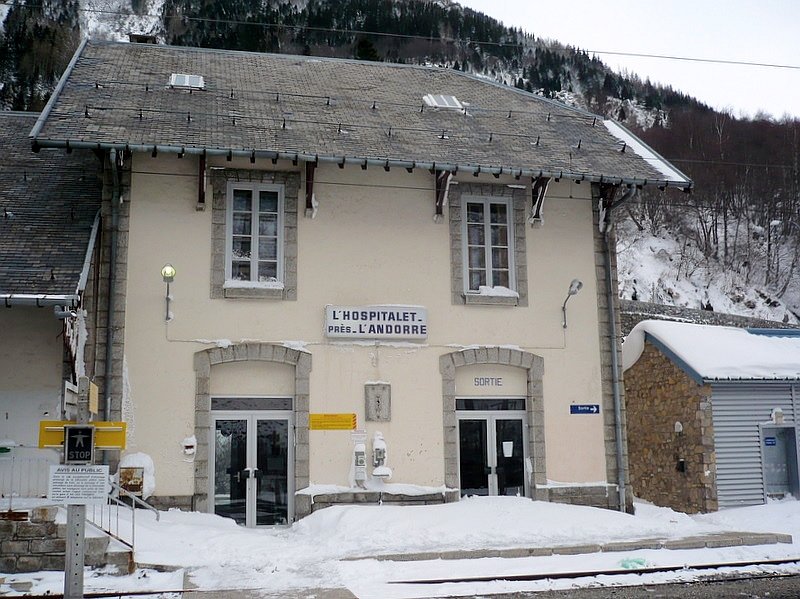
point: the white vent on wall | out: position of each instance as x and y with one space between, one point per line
186 81
440 101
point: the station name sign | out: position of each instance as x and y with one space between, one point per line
376 322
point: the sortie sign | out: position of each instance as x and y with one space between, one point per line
376 322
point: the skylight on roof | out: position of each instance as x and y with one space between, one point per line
186 81
442 101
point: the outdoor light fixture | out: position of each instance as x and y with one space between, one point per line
168 275
574 287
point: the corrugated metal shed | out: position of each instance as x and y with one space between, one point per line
752 373
738 410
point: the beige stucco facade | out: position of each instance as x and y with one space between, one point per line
30 372
373 241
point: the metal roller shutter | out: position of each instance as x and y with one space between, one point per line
738 409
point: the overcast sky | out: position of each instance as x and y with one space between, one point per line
763 31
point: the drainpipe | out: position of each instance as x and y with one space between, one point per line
115 194
612 333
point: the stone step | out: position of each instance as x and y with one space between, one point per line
122 560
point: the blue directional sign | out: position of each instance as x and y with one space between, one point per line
770 441
584 408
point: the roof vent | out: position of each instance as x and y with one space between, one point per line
186 81
440 101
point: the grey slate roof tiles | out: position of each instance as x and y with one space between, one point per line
117 94
48 203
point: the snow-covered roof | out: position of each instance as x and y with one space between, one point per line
714 353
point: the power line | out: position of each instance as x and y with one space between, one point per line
430 38
322 182
743 63
725 163
279 95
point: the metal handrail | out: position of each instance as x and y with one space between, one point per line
136 500
112 529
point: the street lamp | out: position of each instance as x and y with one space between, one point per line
574 287
168 275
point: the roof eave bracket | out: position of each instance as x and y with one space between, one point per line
442 185
311 201
538 192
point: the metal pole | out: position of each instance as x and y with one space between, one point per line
11 490
75 553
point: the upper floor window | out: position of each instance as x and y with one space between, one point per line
255 235
488 245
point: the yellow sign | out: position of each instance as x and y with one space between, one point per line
94 400
107 435
332 422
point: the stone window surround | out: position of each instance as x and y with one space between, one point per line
457 193
220 179
534 367
252 352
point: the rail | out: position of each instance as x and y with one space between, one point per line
117 517
24 474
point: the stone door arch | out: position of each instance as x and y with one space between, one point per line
534 367
253 352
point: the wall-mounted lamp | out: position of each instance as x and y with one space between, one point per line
168 275
64 312
574 287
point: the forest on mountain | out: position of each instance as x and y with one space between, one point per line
741 217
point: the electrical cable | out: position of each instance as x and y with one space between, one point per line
525 36
278 95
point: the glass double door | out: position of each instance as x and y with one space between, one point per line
252 478
492 452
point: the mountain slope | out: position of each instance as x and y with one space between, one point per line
733 243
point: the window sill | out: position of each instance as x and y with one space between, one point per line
490 300
253 292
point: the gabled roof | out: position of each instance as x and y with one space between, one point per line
714 353
48 205
118 94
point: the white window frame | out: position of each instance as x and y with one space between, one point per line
487 201
254 188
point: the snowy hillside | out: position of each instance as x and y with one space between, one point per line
666 267
115 19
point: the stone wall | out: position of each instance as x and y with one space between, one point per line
318 502
669 468
635 312
606 496
33 544
38 543
608 348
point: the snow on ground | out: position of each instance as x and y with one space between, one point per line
215 553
